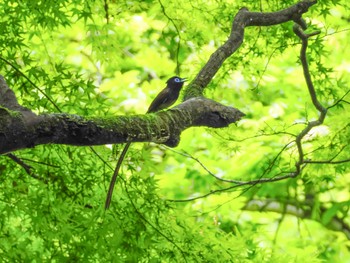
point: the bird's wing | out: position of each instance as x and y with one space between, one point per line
160 102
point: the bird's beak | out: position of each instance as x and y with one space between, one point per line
183 79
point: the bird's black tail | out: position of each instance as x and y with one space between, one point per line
115 175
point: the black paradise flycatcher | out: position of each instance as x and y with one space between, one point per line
164 99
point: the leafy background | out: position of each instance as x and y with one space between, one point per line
64 56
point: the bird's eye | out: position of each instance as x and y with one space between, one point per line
177 80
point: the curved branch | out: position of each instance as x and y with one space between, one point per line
243 19
298 30
238 184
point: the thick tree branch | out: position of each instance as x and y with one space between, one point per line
23 129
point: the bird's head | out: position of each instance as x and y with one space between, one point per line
176 82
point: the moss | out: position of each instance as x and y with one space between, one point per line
109 121
7 116
193 91
12 113
133 126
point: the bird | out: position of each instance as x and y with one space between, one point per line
167 97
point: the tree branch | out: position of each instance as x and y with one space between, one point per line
243 19
27 168
298 210
298 30
23 129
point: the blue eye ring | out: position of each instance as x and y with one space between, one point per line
177 80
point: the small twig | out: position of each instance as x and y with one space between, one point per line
31 82
204 167
265 68
237 182
262 134
327 161
27 168
179 35
39 162
340 100
252 182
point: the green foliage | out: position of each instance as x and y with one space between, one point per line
63 56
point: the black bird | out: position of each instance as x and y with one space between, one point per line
164 99
167 96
